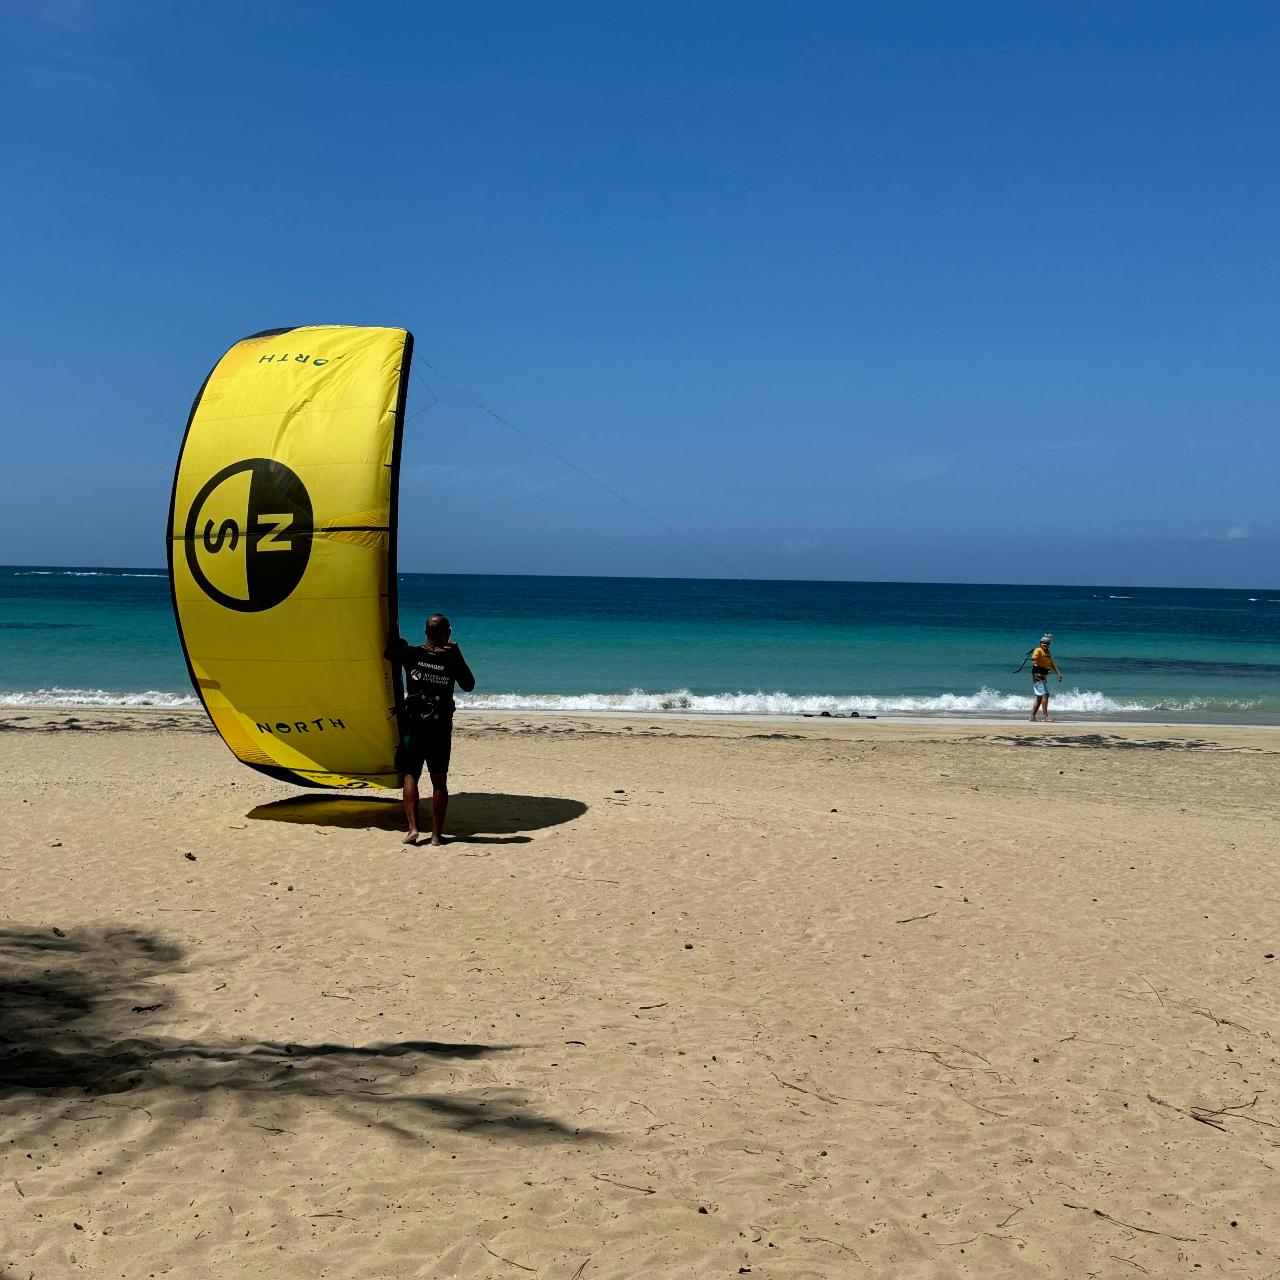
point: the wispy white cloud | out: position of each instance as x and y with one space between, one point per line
103 78
1067 444
925 467
922 467
80 16
1236 533
58 49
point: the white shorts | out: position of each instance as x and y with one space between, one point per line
1039 688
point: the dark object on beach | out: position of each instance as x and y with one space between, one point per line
57 844
688 946
190 857
57 933
619 792
147 1008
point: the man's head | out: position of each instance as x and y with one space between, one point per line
438 629
1045 640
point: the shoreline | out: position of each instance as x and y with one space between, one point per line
1185 719
893 725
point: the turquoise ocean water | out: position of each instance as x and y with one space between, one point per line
106 636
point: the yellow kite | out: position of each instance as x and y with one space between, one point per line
282 538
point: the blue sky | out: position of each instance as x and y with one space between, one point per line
920 291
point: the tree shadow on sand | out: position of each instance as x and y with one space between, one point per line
475 817
74 1013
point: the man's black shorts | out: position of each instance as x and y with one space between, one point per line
425 744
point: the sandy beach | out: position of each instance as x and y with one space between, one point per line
685 998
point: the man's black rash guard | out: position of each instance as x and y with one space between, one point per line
429 677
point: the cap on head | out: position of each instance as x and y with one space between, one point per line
438 628
1044 639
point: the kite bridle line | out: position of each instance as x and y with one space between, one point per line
472 402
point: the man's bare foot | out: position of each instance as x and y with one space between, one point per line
411 838
437 842
1047 720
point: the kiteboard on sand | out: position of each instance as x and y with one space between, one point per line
282 543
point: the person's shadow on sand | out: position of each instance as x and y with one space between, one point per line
475 817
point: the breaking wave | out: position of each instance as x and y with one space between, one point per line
759 703
83 573
791 704
94 698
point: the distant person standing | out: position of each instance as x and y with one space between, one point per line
1042 664
426 725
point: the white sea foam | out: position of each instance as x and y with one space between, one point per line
759 703
790 704
94 698
83 573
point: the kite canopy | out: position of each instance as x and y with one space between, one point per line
282 535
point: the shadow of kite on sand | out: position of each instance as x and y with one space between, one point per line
75 1009
475 817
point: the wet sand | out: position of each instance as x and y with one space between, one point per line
685 998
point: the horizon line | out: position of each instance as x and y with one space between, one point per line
162 571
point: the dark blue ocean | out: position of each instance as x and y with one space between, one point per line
106 636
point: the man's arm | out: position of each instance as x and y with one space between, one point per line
462 672
395 648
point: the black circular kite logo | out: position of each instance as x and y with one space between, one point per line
248 535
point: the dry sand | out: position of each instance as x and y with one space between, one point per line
687 999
